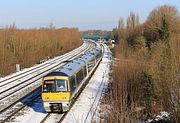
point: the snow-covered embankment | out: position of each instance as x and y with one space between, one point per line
85 107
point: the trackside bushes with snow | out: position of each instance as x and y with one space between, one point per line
146 74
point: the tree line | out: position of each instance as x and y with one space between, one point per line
146 74
28 46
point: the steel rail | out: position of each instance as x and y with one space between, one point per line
6 80
74 56
4 91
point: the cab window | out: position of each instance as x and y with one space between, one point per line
61 85
55 85
49 86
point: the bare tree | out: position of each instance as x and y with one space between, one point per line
132 20
121 24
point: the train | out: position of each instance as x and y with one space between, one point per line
62 86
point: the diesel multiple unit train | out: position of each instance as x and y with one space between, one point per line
60 87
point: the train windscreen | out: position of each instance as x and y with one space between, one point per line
55 85
61 85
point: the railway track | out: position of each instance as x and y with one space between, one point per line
10 96
9 78
85 108
31 99
5 82
14 109
56 118
45 118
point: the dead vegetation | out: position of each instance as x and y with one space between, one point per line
28 46
146 75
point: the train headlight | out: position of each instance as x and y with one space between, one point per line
65 104
46 104
46 98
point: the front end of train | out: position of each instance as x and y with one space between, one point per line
55 93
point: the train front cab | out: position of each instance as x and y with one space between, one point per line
56 94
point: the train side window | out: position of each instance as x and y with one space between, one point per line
85 72
79 76
90 65
72 84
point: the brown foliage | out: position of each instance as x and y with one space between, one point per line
146 79
154 22
171 13
28 46
132 20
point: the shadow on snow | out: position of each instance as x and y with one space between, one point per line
37 104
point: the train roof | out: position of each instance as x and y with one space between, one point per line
56 73
75 65
72 67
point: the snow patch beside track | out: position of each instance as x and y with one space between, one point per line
84 108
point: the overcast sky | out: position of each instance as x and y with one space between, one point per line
83 14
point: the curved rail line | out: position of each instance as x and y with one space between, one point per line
10 94
12 111
22 83
4 80
13 78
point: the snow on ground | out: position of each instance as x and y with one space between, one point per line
31 114
50 61
33 118
18 86
84 108
54 118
